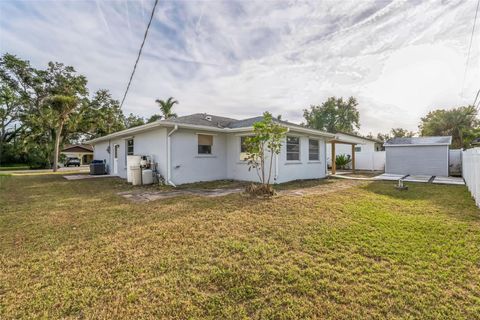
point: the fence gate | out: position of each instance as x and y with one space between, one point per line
455 162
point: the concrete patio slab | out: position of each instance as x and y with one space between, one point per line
389 177
449 180
419 178
86 176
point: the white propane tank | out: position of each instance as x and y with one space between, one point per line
147 176
132 161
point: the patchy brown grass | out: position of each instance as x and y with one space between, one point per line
75 249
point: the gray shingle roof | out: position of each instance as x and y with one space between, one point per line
446 140
245 123
200 119
222 122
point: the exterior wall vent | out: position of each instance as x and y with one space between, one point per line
208 118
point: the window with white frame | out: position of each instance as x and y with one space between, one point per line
205 143
243 148
293 148
313 150
130 146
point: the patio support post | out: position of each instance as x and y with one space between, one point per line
334 166
353 158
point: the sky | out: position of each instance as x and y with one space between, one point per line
400 59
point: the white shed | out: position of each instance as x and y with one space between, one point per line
418 155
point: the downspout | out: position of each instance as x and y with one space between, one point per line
276 160
169 156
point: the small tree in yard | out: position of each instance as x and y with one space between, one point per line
261 148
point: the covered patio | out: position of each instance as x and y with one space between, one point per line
336 141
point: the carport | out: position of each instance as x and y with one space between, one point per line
427 156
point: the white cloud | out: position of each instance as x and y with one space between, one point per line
399 58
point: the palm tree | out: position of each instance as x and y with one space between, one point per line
166 107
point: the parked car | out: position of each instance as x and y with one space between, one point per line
72 162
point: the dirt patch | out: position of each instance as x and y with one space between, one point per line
323 188
146 196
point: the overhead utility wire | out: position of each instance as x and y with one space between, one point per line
140 52
476 97
470 46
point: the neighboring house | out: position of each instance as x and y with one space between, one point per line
203 147
418 156
84 152
369 153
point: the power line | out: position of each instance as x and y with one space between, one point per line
140 52
476 97
470 47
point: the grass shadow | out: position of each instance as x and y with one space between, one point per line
454 200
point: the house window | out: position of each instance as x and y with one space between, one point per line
130 147
205 143
293 148
358 149
243 148
313 150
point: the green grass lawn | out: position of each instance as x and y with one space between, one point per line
14 166
75 249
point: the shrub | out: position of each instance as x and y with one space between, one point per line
342 160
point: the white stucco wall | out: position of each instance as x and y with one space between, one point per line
189 166
100 153
304 168
153 143
224 163
236 168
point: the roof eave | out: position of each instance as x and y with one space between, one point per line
416 145
153 125
291 128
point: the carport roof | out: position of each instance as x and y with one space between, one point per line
420 141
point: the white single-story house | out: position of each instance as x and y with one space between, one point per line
418 156
369 153
84 152
201 147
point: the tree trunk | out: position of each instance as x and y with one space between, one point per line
1 149
58 134
270 168
2 136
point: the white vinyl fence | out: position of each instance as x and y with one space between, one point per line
370 160
471 172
